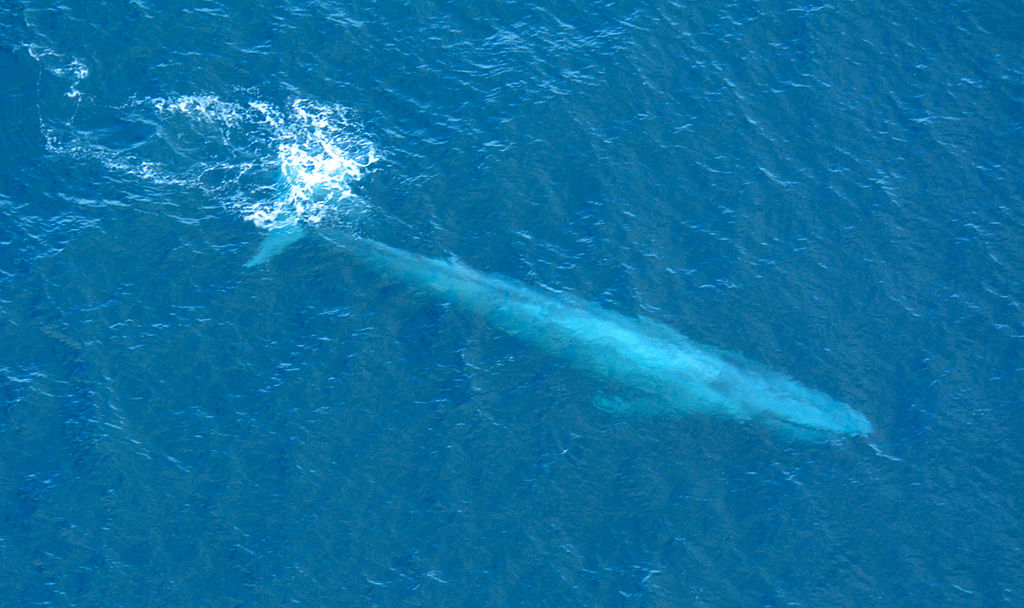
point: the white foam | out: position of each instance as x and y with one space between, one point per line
272 166
61 66
319 152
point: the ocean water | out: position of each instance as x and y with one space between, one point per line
835 191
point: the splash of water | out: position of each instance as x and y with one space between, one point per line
275 167
319 155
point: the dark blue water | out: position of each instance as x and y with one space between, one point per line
834 190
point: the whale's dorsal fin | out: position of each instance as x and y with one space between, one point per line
276 241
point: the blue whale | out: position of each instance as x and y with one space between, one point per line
649 368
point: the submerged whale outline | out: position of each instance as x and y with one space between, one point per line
658 369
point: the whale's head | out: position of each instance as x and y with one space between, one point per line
804 411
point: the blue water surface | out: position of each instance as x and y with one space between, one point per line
833 190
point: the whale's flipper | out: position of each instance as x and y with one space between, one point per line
276 242
614 405
634 406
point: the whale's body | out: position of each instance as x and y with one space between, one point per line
645 367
